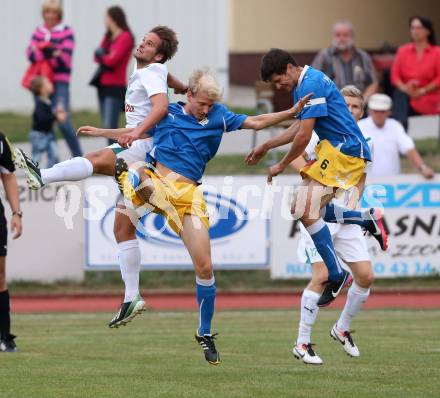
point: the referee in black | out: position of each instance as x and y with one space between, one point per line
7 169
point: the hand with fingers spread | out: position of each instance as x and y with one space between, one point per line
255 155
302 102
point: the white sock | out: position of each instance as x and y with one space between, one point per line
75 169
130 263
309 312
356 296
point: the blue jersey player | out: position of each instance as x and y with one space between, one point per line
341 157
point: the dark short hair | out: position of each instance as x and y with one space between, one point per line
168 42
427 24
275 61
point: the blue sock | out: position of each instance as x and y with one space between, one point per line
206 290
341 215
323 242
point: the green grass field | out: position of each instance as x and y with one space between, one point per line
76 355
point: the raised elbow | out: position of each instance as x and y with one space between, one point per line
163 110
255 125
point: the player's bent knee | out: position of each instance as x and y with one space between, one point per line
319 275
123 228
320 279
204 269
103 161
124 232
365 280
296 209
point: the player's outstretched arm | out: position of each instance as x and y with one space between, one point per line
260 122
285 137
299 144
113 134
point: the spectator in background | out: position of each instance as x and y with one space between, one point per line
346 64
389 139
7 168
58 50
113 55
42 137
416 73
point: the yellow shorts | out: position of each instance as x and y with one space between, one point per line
332 168
174 199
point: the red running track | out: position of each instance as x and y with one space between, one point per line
178 302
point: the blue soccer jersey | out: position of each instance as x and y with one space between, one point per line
333 119
185 145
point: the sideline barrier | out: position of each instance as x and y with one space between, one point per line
249 230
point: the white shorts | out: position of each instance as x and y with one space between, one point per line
348 239
135 153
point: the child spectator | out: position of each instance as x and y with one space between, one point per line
42 137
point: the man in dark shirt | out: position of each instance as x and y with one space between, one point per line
346 64
7 169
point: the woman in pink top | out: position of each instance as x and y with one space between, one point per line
416 73
55 42
113 55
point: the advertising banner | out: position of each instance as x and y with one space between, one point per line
239 233
251 228
51 247
411 207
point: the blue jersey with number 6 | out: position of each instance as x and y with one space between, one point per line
334 121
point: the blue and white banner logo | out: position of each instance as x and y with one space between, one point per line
238 241
226 217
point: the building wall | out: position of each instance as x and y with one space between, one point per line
304 27
298 25
202 32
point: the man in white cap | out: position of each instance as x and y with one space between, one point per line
390 140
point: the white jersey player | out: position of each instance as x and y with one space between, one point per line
146 104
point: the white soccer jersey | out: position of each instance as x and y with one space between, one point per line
142 85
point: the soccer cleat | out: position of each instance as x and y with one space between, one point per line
30 168
8 344
333 288
306 353
122 177
207 342
346 340
127 312
376 228
121 173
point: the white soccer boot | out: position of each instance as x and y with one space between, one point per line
344 337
